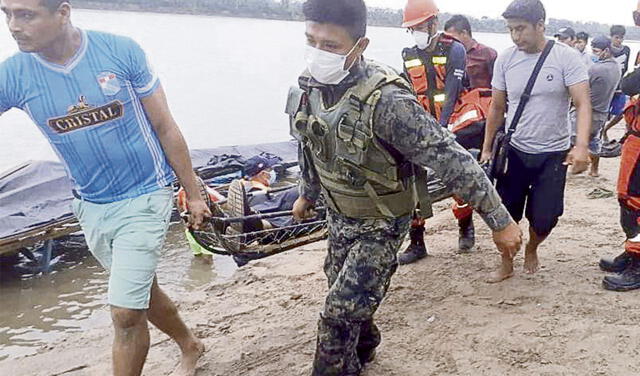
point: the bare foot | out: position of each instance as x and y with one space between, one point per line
594 174
505 271
207 259
188 363
531 263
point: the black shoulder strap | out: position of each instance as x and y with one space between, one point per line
526 95
303 81
431 85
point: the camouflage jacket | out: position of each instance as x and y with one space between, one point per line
402 124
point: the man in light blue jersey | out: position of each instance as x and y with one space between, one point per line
97 100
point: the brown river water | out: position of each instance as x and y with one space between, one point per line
38 309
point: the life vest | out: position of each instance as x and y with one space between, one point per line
629 175
473 107
359 177
427 72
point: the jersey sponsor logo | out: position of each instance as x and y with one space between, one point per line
83 115
109 83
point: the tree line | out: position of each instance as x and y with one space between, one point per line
292 10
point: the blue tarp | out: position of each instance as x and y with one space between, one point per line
40 192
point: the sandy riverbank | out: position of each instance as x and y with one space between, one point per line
440 317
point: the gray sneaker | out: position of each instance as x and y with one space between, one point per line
237 203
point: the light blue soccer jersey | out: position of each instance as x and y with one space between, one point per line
90 111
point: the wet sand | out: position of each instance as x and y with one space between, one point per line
440 317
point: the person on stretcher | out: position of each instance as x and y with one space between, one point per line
253 194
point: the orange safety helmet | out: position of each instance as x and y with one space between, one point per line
418 11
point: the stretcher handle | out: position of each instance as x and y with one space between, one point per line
258 216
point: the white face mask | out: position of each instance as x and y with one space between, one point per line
272 177
597 57
423 40
326 67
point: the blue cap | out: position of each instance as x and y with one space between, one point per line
601 42
255 165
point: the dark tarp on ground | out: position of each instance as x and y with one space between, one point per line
222 165
34 195
288 151
40 192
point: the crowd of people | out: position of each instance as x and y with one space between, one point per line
549 99
366 132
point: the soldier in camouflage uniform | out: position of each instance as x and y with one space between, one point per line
362 136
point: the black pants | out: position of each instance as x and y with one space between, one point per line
471 137
534 186
629 221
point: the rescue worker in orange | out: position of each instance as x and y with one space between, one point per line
627 264
435 66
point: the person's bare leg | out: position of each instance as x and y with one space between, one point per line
531 263
595 164
131 341
206 259
612 123
163 313
505 270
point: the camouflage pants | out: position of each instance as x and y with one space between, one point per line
360 262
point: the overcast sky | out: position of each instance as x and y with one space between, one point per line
607 11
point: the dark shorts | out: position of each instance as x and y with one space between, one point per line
277 202
617 104
534 186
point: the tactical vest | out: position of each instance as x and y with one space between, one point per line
359 177
427 72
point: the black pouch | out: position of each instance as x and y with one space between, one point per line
500 155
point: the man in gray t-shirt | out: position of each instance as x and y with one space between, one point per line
603 77
543 127
540 147
603 80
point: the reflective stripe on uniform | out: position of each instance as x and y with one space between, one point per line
439 98
412 63
440 60
470 115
